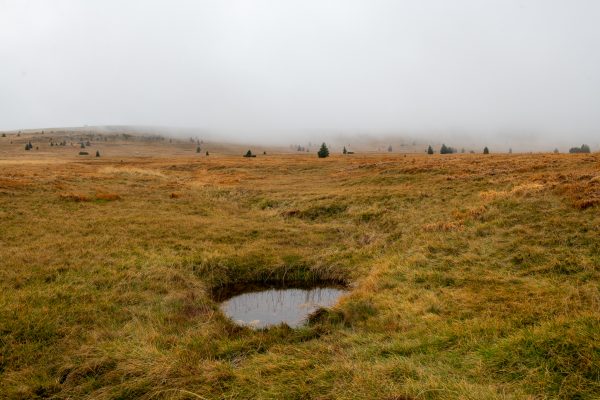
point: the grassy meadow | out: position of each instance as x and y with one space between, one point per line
470 276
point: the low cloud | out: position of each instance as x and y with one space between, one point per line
502 72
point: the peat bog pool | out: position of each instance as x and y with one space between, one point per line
264 306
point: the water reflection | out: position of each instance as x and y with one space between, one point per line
263 308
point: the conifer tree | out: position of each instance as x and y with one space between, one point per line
323 151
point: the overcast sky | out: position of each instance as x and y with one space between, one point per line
261 69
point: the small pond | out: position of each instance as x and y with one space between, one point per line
260 307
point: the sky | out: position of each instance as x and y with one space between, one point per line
281 69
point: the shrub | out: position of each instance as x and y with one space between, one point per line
429 150
486 150
249 154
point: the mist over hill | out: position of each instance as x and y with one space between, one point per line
501 73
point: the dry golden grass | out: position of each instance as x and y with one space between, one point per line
471 276
75 197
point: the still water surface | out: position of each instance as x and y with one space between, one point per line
268 307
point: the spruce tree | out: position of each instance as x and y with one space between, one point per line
429 150
345 151
323 151
583 149
486 150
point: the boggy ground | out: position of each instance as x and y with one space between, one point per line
473 277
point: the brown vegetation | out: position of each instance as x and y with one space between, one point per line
471 276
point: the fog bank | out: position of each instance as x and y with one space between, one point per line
498 71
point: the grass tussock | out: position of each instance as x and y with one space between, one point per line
100 197
76 197
107 196
560 358
583 190
131 171
470 277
